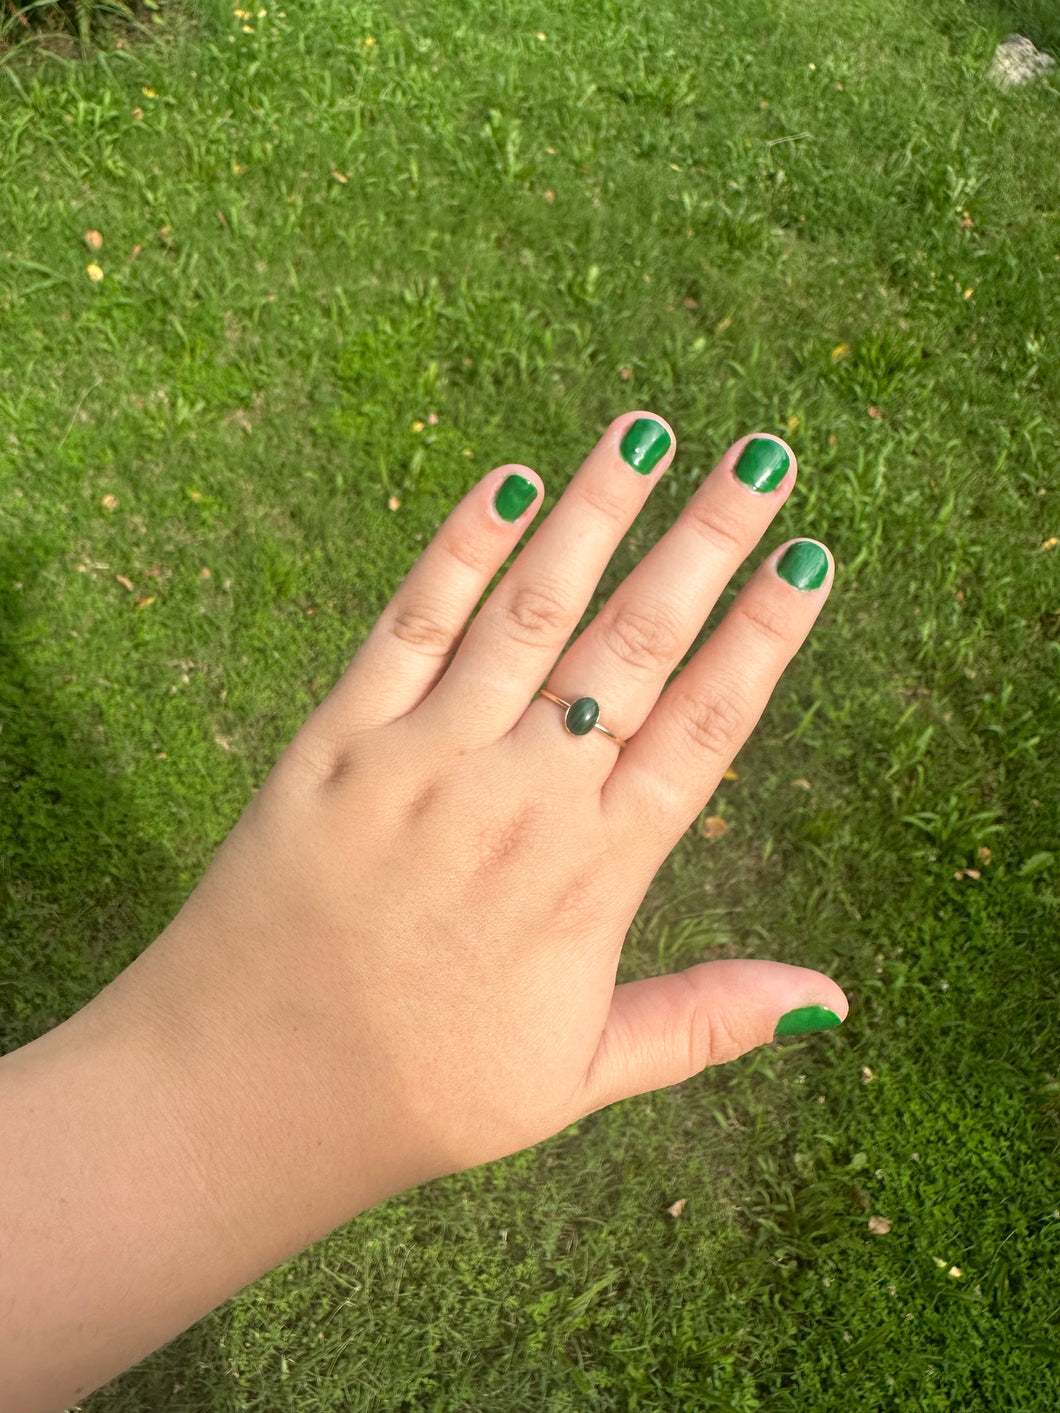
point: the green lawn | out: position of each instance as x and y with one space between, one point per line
351 259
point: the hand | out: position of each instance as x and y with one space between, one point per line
402 960
404 955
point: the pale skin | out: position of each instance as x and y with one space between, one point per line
402 960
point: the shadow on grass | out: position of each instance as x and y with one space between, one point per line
80 892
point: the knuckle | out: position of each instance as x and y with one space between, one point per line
506 841
768 621
720 528
609 507
536 614
712 720
643 641
704 1036
711 1040
579 898
423 631
469 554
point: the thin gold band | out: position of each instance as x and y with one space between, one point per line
596 727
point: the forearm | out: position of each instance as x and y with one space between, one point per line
144 1178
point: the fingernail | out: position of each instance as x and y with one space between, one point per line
645 444
514 495
806 1020
804 565
763 464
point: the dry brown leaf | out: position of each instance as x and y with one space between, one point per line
676 1208
879 1226
802 783
625 374
93 240
394 503
342 177
125 583
144 603
240 417
875 412
109 502
550 196
983 855
867 1075
690 303
713 827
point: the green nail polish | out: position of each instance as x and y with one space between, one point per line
645 444
514 495
806 1020
763 464
804 565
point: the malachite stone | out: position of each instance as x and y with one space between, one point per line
581 716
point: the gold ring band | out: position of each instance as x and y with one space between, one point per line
581 716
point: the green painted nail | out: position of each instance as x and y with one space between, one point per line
804 565
806 1020
645 444
763 464
514 495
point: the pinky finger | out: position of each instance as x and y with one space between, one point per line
674 762
419 630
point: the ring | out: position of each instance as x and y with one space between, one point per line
582 716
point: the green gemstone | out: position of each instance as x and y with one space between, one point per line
581 716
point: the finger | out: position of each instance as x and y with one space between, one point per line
408 649
521 629
625 656
667 1028
673 764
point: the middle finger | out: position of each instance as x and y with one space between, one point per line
522 628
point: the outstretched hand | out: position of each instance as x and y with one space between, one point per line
414 930
402 960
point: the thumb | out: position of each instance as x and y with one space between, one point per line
667 1028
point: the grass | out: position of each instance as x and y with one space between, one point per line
320 226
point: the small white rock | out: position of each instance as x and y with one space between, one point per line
1016 61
